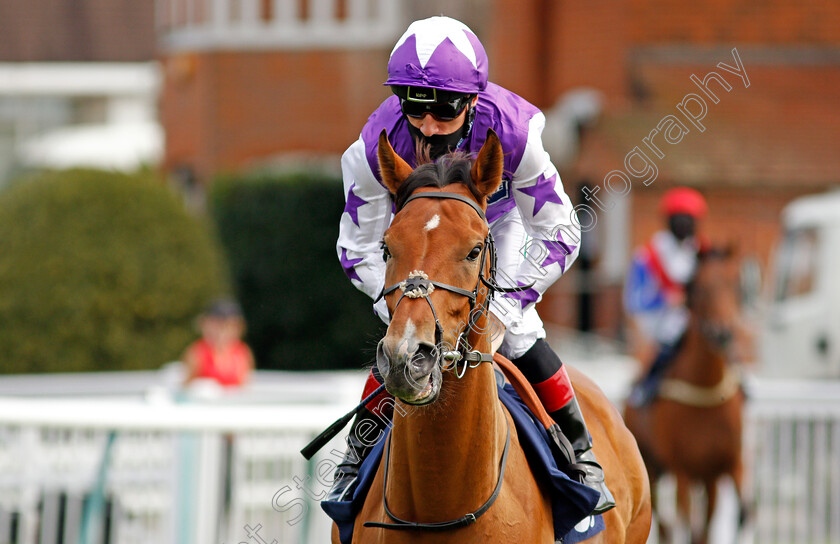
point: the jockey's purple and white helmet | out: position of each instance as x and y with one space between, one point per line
441 53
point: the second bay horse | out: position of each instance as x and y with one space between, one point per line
693 429
453 444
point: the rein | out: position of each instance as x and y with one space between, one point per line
466 519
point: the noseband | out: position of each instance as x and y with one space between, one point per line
418 285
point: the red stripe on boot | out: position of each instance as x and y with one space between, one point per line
383 403
555 392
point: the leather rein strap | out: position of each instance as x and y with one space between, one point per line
463 521
524 389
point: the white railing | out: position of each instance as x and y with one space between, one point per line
188 473
277 24
210 472
793 445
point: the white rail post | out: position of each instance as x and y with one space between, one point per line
208 498
249 15
220 16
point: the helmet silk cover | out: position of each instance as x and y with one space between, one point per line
441 53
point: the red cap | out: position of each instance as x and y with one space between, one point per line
683 200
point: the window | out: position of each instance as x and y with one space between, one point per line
796 263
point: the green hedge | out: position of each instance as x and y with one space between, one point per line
99 271
280 233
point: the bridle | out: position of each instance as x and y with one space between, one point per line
418 285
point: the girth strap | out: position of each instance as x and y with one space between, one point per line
466 519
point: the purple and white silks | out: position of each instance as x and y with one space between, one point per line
532 219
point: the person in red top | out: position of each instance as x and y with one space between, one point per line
220 354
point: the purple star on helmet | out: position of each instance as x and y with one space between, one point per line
353 204
557 252
543 192
349 265
525 297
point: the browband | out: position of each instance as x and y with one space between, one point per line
453 196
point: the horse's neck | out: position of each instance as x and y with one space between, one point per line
445 457
698 362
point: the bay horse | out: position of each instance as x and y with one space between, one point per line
693 428
453 444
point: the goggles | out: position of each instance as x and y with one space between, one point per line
442 105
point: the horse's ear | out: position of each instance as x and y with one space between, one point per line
392 167
488 166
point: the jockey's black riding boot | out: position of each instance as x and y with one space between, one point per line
368 428
571 423
645 390
545 371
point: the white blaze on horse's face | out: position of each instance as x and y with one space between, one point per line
433 223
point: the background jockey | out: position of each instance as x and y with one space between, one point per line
442 99
654 292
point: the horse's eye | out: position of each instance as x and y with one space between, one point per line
475 253
386 253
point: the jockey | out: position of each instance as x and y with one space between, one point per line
654 292
441 99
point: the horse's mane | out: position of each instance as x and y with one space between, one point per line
450 168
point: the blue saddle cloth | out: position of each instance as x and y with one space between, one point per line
571 502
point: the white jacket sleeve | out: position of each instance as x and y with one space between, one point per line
552 228
366 216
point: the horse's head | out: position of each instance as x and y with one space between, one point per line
436 252
713 297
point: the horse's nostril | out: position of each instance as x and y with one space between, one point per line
425 353
383 360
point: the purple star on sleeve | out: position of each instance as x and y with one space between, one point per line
354 202
525 297
349 265
557 252
542 191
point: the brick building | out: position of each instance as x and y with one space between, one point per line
250 79
78 85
